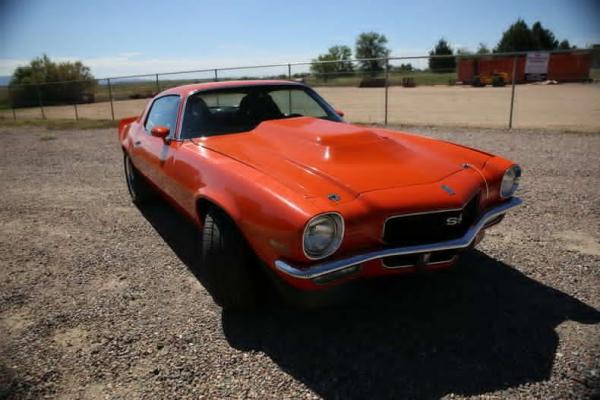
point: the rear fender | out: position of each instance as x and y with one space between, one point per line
124 125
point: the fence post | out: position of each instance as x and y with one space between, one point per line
289 91
39 95
75 100
216 75
112 109
387 73
512 95
157 85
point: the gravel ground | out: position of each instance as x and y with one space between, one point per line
97 301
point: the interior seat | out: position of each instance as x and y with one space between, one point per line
196 119
256 107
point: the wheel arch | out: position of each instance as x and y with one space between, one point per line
229 208
204 203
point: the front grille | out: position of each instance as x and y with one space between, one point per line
430 227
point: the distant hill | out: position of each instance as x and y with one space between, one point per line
4 80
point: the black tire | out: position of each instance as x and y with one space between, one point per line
477 82
498 81
227 263
139 190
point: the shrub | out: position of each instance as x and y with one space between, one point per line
51 83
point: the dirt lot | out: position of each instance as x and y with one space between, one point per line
97 301
568 106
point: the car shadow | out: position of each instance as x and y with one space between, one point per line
478 329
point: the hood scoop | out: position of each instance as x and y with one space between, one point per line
322 157
348 139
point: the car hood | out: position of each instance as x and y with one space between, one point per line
321 158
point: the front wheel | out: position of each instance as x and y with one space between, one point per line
139 190
227 262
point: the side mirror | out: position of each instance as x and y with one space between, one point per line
339 112
160 132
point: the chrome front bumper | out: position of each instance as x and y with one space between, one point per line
329 267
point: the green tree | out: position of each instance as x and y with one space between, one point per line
565 45
445 64
372 45
483 49
404 68
518 37
28 83
341 54
543 38
44 70
595 55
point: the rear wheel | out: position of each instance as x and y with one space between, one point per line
227 263
139 190
476 82
498 81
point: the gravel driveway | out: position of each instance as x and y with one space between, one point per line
97 301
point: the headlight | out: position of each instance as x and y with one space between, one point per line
323 235
510 181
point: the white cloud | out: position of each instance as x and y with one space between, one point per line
131 54
134 63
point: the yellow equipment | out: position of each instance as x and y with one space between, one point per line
495 79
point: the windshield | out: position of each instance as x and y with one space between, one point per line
240 109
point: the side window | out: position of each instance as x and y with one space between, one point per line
163 113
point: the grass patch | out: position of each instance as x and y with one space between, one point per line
421 78
60 124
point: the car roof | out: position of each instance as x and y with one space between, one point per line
188 89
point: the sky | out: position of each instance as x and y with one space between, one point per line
128 37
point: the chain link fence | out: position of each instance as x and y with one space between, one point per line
458 90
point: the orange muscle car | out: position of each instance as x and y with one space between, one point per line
272 176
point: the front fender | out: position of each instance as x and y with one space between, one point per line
269 215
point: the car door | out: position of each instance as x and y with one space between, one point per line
152 154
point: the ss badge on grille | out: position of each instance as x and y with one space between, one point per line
454 220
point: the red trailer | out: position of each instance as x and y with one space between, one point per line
562 67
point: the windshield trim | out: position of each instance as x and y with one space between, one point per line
311 92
